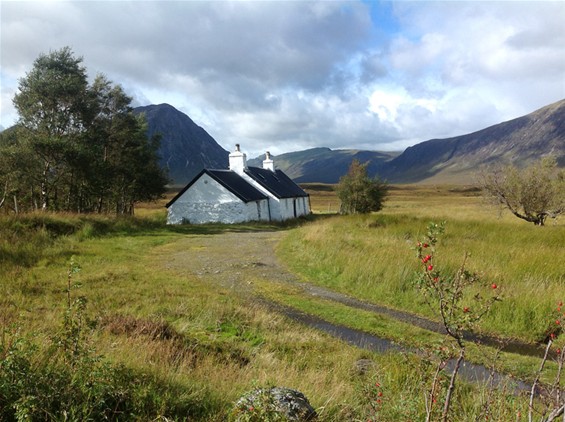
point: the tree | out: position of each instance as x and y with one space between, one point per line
52 107
76 147
359 193
127 162
532 194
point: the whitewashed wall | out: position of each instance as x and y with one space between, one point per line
206 201
290 206
281 208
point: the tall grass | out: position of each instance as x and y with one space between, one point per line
189 349
372 257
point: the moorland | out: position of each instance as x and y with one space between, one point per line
118 318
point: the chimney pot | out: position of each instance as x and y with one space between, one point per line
268 163
237 161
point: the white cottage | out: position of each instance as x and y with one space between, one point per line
239 194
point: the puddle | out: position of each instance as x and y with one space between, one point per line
510 346
468 371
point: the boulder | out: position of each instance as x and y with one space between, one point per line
276 403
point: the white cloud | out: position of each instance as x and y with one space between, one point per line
301 74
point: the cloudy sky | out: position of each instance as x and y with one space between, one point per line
290 75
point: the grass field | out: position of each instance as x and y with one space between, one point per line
189 349
372 257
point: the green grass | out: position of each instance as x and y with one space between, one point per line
221 345
372 258
198 347
404 334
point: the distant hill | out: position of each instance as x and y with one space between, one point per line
186 148
455 160
324 165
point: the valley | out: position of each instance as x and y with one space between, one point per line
255 304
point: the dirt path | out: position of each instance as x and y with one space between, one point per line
233 259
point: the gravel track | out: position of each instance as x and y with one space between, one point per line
233 259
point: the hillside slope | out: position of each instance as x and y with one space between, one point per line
186 148
519 141
323 165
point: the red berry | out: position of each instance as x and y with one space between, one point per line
430 267
380 394
494 286
466 309
425 245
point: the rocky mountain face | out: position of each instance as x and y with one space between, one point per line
454 160
186 148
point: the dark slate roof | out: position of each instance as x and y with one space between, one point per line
278 183
231 181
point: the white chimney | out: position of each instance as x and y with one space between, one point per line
268 163
238 160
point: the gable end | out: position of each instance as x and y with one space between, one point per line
229 180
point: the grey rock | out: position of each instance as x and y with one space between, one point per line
276 403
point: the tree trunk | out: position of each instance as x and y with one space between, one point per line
4 194
43 191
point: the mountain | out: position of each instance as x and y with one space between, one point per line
186 148
324 165
454 160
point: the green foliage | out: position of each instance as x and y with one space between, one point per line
76 147
532 194
358 193
70 381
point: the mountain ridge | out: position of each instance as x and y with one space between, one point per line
517 141
186 148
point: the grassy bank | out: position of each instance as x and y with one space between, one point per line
372 258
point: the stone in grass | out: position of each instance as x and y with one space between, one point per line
362 366
274 404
